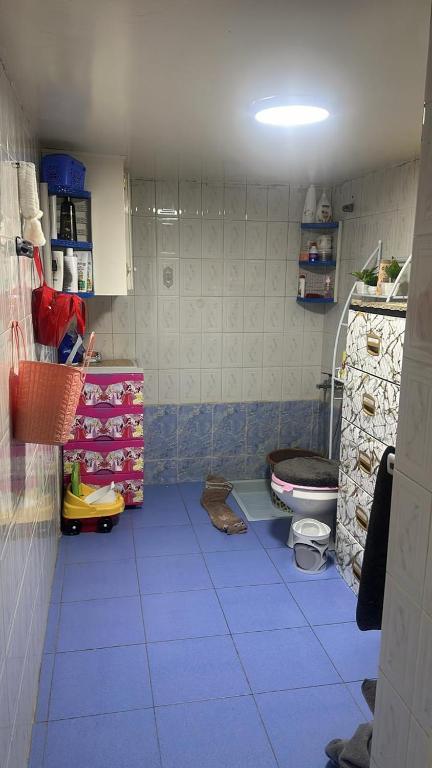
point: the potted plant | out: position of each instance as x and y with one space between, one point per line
371 281
363 279
391 272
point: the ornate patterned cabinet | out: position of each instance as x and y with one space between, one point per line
107 433
369 422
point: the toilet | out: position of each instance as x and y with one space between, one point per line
309 487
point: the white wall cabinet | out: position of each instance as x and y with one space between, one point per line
107 181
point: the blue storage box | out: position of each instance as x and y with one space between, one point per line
60 170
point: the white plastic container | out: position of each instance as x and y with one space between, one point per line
324 210
309 206
70 276
301 286
310 544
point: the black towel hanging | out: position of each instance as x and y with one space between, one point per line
372 580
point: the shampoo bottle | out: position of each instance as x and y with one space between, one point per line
82 264
68 227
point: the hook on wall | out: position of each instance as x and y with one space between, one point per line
23 247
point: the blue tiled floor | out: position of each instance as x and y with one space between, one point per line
171 645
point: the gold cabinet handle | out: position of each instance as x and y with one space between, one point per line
361 518
373 344
368 404
356 569
364 463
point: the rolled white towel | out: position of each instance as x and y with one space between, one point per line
29 204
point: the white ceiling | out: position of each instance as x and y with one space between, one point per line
169 84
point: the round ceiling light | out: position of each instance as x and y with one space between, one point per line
286 115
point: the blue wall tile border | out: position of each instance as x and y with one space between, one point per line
183 443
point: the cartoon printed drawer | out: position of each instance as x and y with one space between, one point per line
103 457
113 389
123 423
131 488
354 507
375 344
360 456
371 404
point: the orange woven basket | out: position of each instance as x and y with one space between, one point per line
46 397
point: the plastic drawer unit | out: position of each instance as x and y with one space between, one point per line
107 435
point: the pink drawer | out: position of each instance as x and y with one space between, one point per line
103 458
131 488
112 389
121 423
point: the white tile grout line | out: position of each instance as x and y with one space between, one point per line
147 657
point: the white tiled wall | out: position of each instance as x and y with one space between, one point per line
214 315
403 718
384 207
28 473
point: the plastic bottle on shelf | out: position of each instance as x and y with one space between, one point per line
324 209
301 286
70 272
90 286
68 227
309 209
82 264
313 253
57 270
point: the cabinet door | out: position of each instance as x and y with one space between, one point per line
128 232
105 179
375 344
371 404
360 456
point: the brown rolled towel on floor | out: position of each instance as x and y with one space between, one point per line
352 753
213 499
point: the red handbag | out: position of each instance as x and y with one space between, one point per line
53 311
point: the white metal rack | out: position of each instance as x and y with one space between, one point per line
375 255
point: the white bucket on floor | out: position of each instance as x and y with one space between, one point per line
310 544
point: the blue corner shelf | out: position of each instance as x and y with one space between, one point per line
79 194
322 225
76 245
315 300
325 264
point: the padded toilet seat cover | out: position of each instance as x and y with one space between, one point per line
313 472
